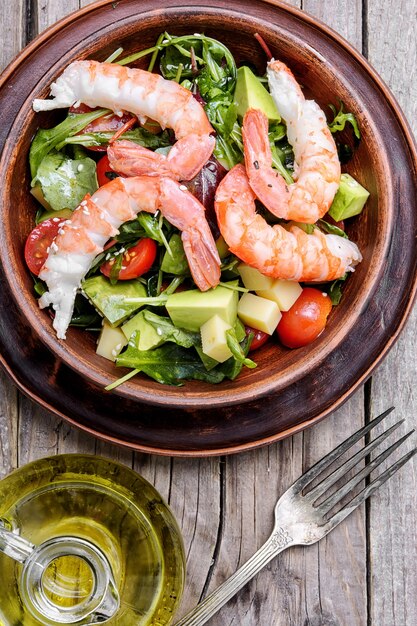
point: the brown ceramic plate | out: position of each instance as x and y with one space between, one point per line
289 389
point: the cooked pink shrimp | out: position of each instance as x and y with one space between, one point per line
98 217
317 166
146 95
291 254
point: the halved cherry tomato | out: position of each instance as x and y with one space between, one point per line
259 338
38 243
104 172
136 260
306 319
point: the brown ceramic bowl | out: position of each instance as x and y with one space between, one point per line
290 388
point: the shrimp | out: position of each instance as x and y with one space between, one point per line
98 218
273 250
317 166
146 95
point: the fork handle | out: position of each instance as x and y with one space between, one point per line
277 542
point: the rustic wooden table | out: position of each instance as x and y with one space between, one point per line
365 571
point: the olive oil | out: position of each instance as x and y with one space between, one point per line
109 506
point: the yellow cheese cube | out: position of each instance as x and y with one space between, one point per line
259 313
283 292
253 279
213 339
111 342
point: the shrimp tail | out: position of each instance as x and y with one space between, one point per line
185 212
274 250
131 159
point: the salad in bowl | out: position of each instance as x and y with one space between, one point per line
190 212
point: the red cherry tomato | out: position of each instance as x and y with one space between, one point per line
136 261
306 319
104 172
38 243
259 338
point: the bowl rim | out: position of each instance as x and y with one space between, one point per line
401 121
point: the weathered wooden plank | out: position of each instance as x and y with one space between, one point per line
392 514
12 31
323 584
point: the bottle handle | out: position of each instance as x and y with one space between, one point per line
14 545
99 606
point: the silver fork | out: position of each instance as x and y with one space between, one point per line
301 520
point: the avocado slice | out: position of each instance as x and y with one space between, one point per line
148 336
349 199
109 299
251 94
191 309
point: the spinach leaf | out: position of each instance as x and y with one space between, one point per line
66 181
169 364
46 140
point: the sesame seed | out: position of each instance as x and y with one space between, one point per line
55 219
183 188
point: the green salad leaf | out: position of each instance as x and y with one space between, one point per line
169 364
341 119
169 332
66 181
140 136
46 140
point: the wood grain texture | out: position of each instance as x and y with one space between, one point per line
392 519
225 506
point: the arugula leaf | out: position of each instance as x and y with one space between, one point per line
85 315
169 364
232 367
46 140
341 119
237 350
175 261
332 229
168 332
66 181
335 290
140 136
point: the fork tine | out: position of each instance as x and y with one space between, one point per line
314 471
326 506
338 473
368 491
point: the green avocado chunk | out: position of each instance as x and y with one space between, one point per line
148 336
349 199
109 299
251 94
191 309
